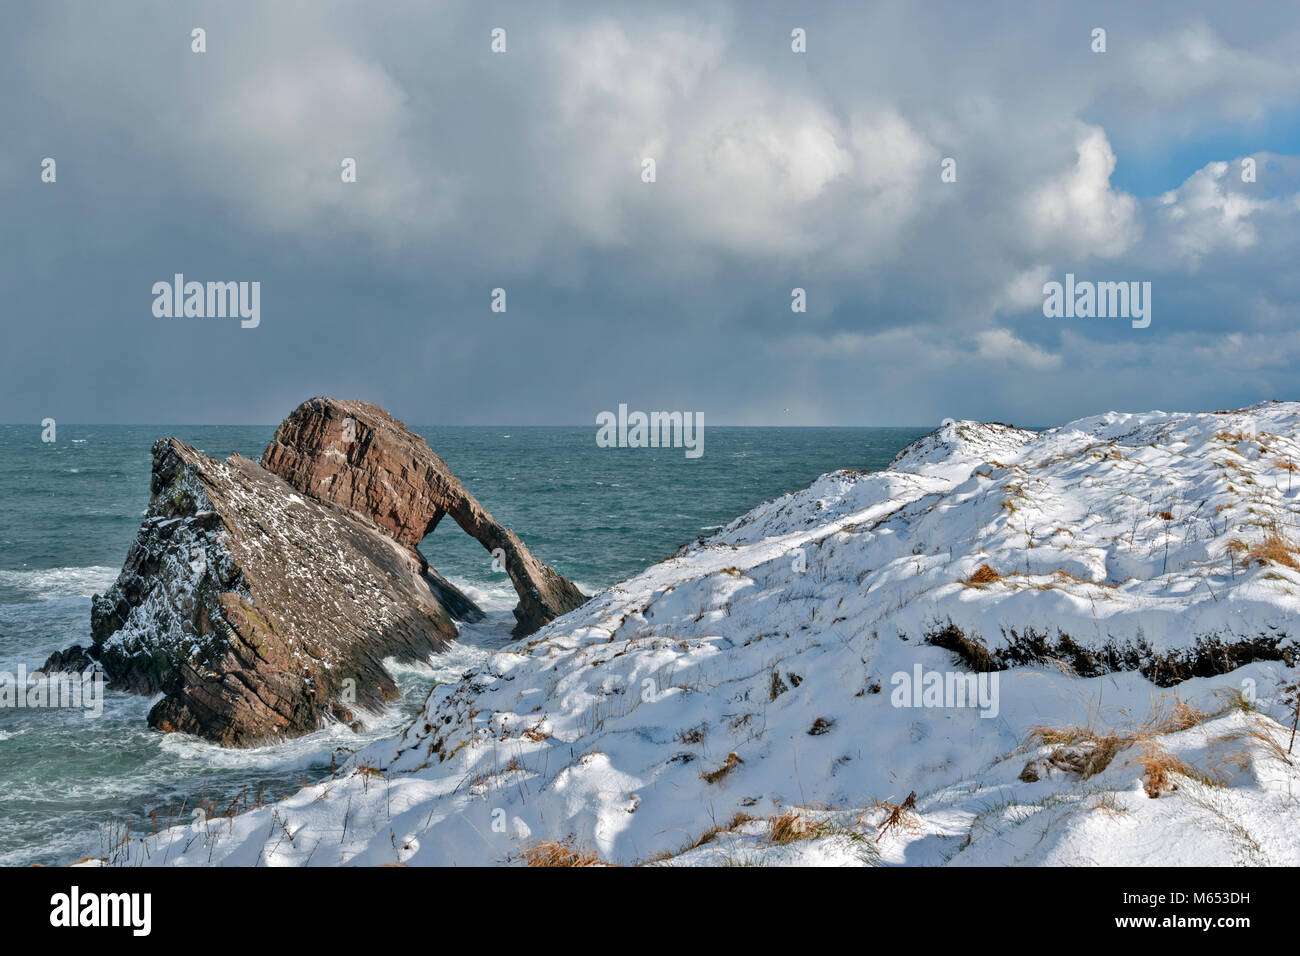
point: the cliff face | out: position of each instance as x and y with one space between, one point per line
356 455
258 613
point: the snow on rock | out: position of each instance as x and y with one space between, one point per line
957 445
257 614
1117 596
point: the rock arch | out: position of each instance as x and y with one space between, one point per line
356 455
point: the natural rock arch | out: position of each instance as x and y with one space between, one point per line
356 455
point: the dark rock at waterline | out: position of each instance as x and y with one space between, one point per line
357 455
75 660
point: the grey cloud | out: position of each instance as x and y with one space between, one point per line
775 170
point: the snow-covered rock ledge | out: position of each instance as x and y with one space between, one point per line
1127 579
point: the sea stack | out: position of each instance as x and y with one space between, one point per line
264 608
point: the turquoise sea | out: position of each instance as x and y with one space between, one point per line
70 785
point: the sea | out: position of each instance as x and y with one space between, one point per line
72 786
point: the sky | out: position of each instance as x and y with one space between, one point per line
523 170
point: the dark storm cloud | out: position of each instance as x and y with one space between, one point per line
522 170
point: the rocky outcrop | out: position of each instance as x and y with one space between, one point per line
261 600
259 612
356 455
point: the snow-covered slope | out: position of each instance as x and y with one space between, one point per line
1126 578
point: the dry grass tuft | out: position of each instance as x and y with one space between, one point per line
695 735
787 828
708 836
1055 736
790 828
1260 734
1161 767
552 853
1234 699
1275 549
731 763
981 576
1108 802
1166 719
740 818
778 686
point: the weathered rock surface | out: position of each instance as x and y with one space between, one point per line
259 612
357 455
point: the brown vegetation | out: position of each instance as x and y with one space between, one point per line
731 763
981 576
553 853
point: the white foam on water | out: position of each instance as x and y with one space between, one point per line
490 595
306 751
52 583
469 649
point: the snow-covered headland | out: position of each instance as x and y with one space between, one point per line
1067 647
